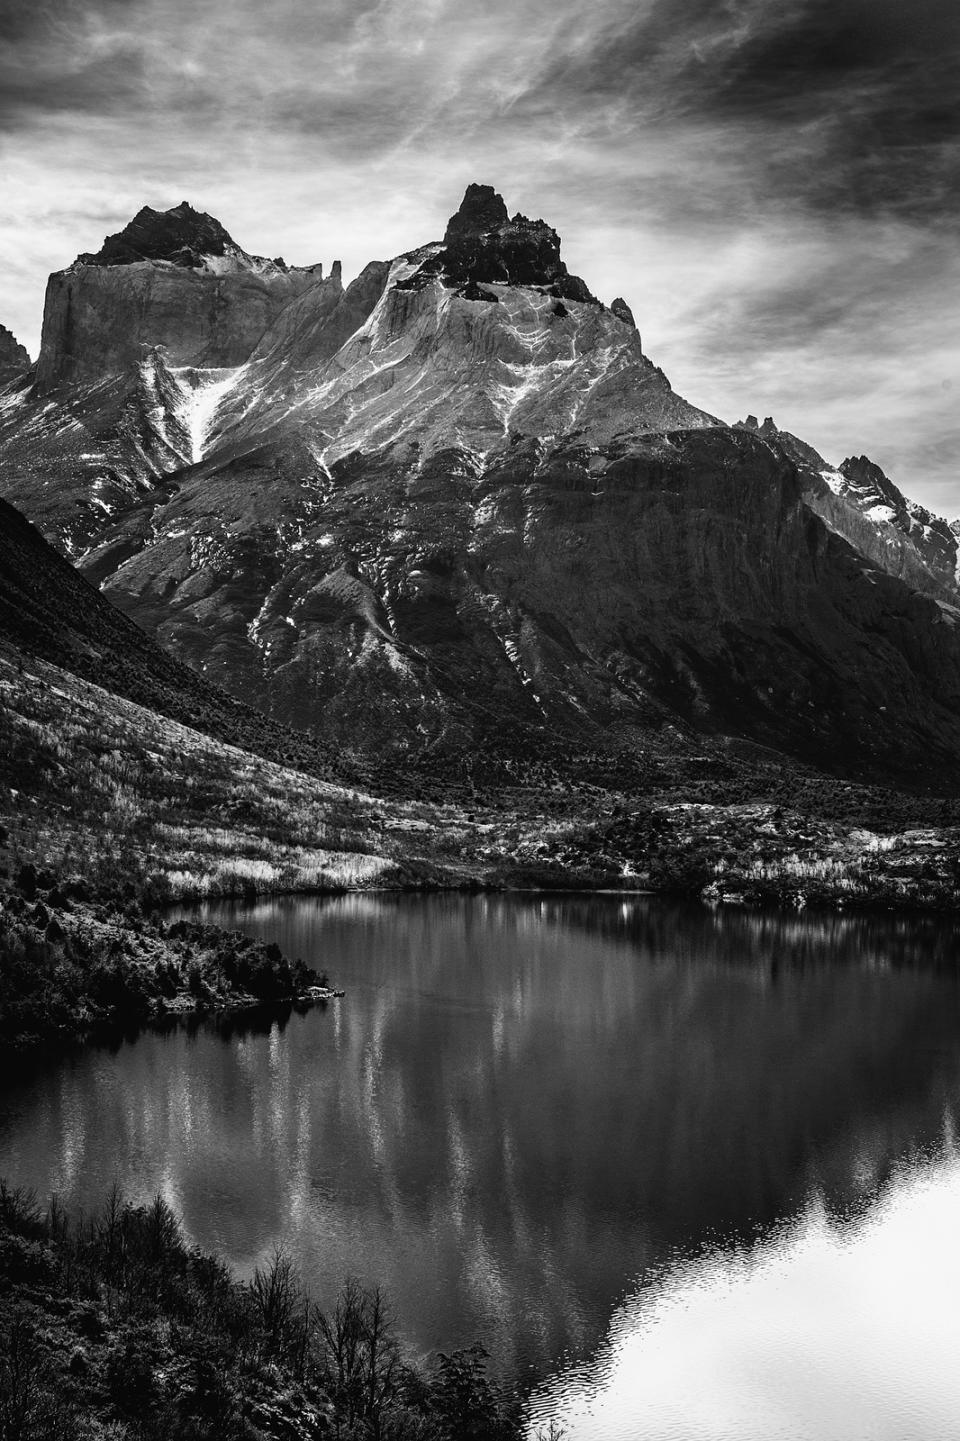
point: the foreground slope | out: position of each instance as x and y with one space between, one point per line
49 611
456 501
125 774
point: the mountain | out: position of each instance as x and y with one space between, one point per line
456 498
136 342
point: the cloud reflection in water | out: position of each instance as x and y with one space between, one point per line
826 1329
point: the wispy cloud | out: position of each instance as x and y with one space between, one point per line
773 184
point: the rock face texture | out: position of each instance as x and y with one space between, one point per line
457 495
172 278
13 355
863 505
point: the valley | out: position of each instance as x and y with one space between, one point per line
432 581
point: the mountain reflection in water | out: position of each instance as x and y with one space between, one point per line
525 1108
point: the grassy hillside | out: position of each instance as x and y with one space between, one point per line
50 611
97 788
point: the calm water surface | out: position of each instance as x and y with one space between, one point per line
691 1174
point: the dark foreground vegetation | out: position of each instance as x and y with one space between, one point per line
71 966
112 1327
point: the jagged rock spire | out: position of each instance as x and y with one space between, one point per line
482 244
769 428
481 210
13 355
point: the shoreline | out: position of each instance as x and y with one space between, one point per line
752 896
78 971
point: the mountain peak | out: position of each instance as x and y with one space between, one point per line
174 278
180 235
481 210
482 244
873 487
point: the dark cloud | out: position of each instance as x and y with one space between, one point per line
849 103
793 57
53 22
859 102
105 84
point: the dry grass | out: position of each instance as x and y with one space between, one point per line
95 786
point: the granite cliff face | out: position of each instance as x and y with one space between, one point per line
457 495
172 278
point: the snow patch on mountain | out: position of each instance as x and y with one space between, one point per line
836 481
202 392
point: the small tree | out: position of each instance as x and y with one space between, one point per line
360 1356
276 1294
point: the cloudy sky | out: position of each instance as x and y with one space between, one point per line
773 185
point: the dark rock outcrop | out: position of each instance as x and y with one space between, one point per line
481 211
13 355
482 244
183 236
622 311
768 429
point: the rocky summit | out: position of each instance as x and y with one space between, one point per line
456 498
183 236
863 505
482 244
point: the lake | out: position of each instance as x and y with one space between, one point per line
687 1174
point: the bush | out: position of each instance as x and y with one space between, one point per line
468 1406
